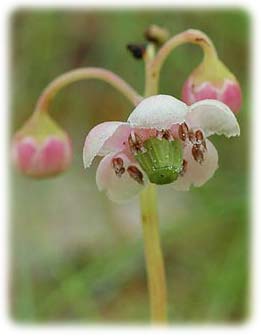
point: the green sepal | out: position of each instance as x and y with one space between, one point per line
40 126
211 69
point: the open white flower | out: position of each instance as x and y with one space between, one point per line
163 141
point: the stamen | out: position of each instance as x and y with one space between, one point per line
200 139
136 174
197 153
183 131
117 164
165 134
199 135
191 136
135 143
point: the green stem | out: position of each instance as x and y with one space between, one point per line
189 36
153 255
85 73
150 223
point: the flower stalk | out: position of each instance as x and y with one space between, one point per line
85 73
153 255
189 36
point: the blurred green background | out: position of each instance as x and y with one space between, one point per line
76 256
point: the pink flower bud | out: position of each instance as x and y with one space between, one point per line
41 148
212 80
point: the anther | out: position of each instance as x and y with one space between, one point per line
135 174
135 143
197 153
165 134
183 131
117 164
199 135
191 136
200 139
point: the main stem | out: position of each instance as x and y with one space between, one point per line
150 223
153 255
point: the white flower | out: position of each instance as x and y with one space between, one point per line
163 141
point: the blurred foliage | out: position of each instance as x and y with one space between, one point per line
76 256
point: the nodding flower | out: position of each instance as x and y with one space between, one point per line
212 80
41 148
164 141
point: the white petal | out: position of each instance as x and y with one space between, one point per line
118 189
197 174
213 117
103 139
158 112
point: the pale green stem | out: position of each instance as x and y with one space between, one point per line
150 223
153 255
189 36
85 73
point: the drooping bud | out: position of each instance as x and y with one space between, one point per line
212 80
41 148
162 160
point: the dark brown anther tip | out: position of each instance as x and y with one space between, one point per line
135 143
137 50
165 134
183 131
135 174
197 154
117 164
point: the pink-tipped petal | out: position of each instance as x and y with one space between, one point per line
213 117
192 94
197 174
118 189
231 95
48 158
158 112
23 153
103 139
55 155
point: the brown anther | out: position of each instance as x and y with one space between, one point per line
200 139
197 153
183 131
199 135
117 164
135 143
135 174
165 134
191 136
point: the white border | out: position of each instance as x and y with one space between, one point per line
253 325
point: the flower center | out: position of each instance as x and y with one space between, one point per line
160 157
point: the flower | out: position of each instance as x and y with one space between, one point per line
41 148
163 141
212 80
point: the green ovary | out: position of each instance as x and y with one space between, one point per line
162 160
